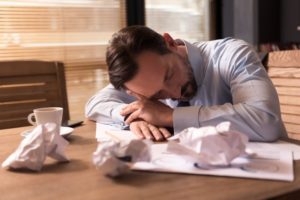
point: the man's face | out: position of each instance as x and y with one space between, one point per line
163 76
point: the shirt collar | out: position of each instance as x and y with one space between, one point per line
195 59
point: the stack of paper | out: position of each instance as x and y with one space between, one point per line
272 160
267 164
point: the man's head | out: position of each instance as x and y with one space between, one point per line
146 63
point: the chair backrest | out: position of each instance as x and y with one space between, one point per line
26 85
284 71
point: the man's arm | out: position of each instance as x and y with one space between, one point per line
255 106
254 109
106 105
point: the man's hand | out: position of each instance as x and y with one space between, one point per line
145 130
151 111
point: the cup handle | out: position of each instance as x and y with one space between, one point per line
29 118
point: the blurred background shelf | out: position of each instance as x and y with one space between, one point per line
283 69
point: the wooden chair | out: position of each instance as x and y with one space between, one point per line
26 85
284 70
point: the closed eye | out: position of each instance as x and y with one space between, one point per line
156 95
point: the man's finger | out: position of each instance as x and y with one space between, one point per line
146 131
155 132
165 132
129 108
133 116
137 131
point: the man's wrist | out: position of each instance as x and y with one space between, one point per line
169 118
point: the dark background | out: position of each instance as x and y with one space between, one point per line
256 21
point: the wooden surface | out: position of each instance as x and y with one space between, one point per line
290 58
284 70
79 179
26 85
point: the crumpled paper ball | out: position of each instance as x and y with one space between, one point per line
210 146
43 141
112 157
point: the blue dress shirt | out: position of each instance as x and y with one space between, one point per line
232 86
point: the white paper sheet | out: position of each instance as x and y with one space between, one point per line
274 161
106 132
278 146
273 165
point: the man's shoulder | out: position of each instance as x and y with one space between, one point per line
223 47
228 41
232 46
233 41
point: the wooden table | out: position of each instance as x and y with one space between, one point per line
79 179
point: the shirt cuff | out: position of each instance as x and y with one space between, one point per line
115 114
185 117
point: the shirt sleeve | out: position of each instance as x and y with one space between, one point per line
254 109
105 106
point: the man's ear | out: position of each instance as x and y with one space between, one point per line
170 41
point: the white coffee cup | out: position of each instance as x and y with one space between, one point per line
46 115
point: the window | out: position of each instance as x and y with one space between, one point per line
75 32
188 19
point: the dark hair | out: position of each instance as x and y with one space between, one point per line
125 46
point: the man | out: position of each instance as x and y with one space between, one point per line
152 76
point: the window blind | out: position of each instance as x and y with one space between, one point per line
75 32
189 20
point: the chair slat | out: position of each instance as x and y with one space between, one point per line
291 91
290 109
284 59
287 72
289 118
15 122
292 128
289 82
26 85
31 88
26 79
49 96
12 68
23 105
289 100
8 115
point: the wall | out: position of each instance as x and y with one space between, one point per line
261 21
